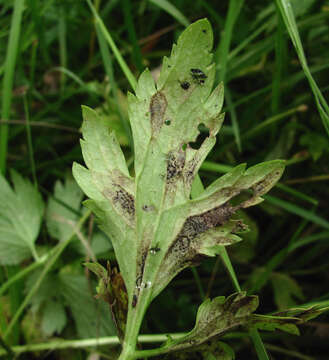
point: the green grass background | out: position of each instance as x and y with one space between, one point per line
273 57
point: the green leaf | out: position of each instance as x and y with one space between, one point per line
304 314
108 183
49 290
155 227
285 290
100 243
300 7
63 209
54 318
215 318
317 144
21 213
271 323
244 251
219 351
286 321
90 317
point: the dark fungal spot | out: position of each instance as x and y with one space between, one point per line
185 85
198 224
262 186
182 244
134 301
147 208
125 200
175 165
204 31
198 76
239 227
139 281
158 106
199 73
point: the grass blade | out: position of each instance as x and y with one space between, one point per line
137 55
108 66
172 10
234 119
294 209
8 79
124 67
29 140
289 19
224 46
62 44
258 343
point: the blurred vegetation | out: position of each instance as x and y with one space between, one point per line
53 59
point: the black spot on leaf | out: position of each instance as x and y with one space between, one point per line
158 106
175 165
185 85
124 200
198 76
134 301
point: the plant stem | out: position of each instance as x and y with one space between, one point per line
85 343
8 79
20 275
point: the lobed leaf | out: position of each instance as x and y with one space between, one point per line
215 318
21 211
155 227
54 318
63 209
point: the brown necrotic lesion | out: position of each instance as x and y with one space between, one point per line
158 107
125 200
175 165
199 224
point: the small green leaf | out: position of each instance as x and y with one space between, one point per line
271 323
285 290
60 218
48 290
21 213
317 144
300 7
216 317
54 318
304 314
90 317
285 320
100 243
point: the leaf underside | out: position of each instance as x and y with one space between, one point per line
155 227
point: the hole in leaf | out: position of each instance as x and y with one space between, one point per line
203 134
